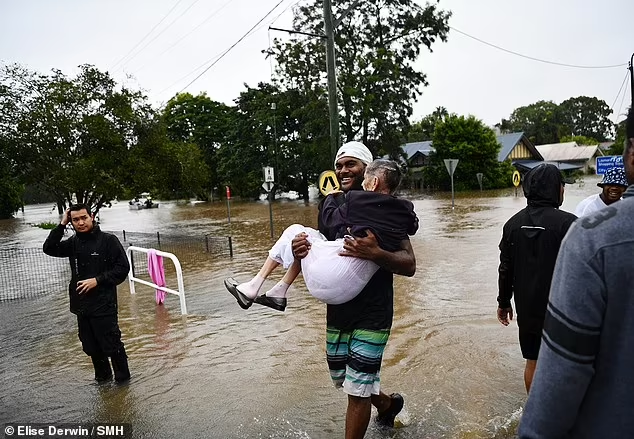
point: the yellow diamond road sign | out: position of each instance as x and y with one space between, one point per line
328 182
516 178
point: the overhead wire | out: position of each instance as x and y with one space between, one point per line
618 94
232 46
269 54
621 106
220 54
612 66
147 34
160 33
209 17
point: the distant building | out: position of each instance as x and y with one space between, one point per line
569 155
417 157
605 147
515 147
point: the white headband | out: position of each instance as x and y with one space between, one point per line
355 150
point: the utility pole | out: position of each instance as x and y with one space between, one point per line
329 36
632 78
333 109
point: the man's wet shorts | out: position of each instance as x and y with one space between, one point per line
354 359
529 343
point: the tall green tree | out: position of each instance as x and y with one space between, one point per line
424 129
168 169
619 141
377 46
286 129
541 122
11 190
72 135
475 146
201 121
580 140
588 117
12 106
250 143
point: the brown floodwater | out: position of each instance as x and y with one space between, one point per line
221 372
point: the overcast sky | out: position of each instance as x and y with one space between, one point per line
465 76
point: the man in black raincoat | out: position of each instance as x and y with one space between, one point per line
98 264
528 251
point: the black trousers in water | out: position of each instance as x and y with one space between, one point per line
100 335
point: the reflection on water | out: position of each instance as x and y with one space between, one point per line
227 373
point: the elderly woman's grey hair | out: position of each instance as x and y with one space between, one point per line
387 171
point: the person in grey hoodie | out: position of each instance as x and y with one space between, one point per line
530 242
584 383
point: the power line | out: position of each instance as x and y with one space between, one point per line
209 17
536 59
232 46
621 107
161 32
146 35
190 73
619 93
285 9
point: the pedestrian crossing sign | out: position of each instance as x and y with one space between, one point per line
328 182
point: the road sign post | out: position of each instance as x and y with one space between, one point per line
516 179
269 178
451 164
269 175
229 205
479 176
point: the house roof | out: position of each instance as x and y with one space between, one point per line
413 147
604 146
566 152
525 165
510 140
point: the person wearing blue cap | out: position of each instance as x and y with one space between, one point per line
613 184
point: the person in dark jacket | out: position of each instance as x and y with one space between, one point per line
98 264
528 251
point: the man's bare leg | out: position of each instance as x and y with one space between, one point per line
529 371
357 416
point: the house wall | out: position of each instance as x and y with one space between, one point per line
520 152
419 160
